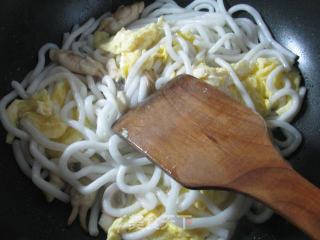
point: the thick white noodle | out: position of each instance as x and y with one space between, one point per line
94 215
263 27
295 104
188 200
19 89
295 139
272 76
137 189
76 33
45 186
117 212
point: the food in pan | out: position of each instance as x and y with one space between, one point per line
59 117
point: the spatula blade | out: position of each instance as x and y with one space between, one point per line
196 133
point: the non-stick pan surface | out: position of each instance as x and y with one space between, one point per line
26 25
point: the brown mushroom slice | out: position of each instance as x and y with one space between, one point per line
121 18
77 64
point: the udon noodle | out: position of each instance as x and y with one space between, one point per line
115 179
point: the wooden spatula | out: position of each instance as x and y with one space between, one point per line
205 139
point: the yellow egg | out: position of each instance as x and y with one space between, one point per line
69 136
50 126
142 218
171 231
255 84
99 38
186 35
132 40
60 92
254 79
132 222
127 60
39 110
217 77
131 44
13 112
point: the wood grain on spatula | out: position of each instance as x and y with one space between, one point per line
205 139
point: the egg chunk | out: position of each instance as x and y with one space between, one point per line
132 40
131 44
128 59
143 218
254 79
39 109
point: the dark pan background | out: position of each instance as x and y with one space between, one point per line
26 25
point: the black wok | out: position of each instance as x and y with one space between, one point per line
26 25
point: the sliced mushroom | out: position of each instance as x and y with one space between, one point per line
81 205
77 64
121 18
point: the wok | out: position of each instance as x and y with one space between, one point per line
26 25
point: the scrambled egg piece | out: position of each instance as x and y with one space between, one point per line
128 59
142 218
39 110
131 40
99 38
254 79
186 35
131 44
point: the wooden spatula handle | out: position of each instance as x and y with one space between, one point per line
287 192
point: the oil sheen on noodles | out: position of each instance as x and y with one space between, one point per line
121 172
